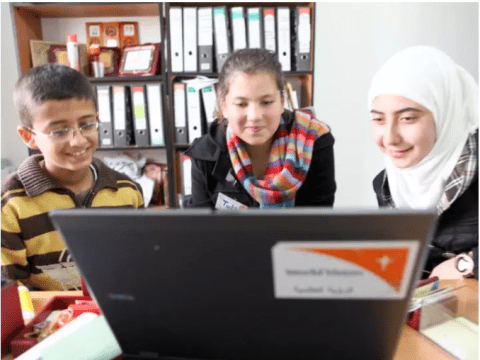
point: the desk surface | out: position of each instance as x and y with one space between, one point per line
412 344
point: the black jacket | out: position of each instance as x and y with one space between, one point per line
212 171
455 230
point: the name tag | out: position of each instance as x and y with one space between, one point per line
227 203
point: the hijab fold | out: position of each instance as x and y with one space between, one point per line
430 78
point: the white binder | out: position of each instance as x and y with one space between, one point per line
209 97
222 43
194 115
176 37
187 175
270 39
254 28
155 112
238 28
190 39
284 38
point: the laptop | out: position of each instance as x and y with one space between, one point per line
250 284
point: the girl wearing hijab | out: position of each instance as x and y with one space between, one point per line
424 110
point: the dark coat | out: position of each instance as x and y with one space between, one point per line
455 230
212 172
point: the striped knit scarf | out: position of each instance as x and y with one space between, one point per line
289 161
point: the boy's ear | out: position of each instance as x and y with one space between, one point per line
27 137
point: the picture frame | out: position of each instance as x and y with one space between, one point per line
110 56
40 51
111 34
140 60
94 34
128 34
57 54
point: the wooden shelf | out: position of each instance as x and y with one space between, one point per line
88 9
245 4
126 79
192 74
129 148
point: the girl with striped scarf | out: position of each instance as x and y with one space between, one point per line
257 154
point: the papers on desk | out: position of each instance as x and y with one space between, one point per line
458 336
86 337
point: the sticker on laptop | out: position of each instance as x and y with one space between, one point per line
227 203
343 270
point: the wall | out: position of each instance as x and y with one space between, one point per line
12 146
352 41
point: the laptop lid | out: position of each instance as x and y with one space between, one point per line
250 284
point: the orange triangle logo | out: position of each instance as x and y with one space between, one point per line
387 263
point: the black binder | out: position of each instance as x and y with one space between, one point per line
140 113
205 39
302 38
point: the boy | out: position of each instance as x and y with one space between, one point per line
57 108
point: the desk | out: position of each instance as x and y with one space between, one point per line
412 344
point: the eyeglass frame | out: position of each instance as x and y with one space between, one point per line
79 129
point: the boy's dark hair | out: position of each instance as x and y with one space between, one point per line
250 61
49 82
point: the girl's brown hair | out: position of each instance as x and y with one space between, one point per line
250 61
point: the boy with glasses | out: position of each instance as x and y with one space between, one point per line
57 108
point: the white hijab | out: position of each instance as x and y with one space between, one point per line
432 79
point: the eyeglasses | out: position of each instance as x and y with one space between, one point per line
66 134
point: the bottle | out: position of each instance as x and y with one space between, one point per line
97 65
72 51
25 303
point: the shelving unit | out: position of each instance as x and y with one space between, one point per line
28 26
28 19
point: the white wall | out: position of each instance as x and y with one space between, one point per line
352 41
12 146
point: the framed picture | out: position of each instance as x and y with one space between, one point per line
111 34
140 60
128 34
58 54
94 34
110 56
40 51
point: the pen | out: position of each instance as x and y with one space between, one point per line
25 303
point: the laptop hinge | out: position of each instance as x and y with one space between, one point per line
149 355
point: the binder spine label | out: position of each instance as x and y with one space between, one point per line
220 29
284 40
304 30
139 110
254 29
343 270
209 102
239 31
119 108
205 28
179 104
269 23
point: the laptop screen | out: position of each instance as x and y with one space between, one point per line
248 284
